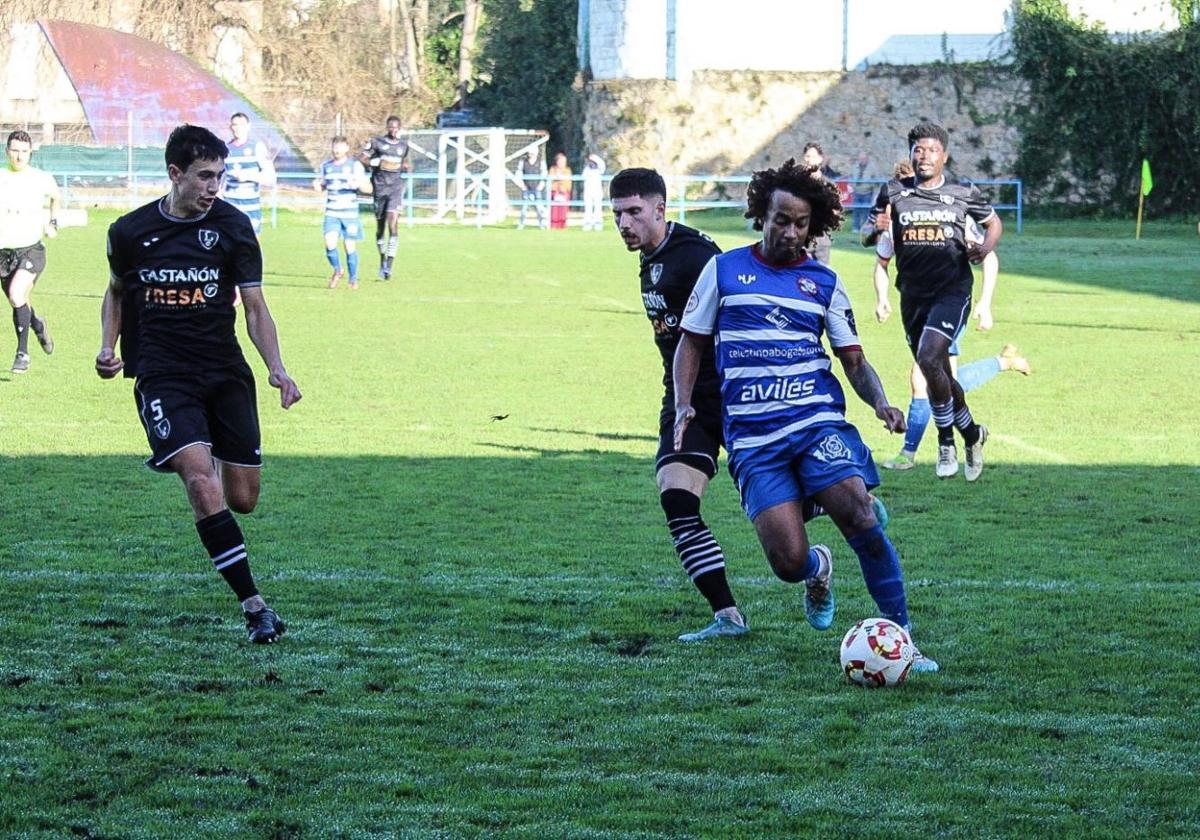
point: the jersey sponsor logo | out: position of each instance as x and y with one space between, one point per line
692 303
916 217
208 238
784 388
747 279
656 271
832 449
776 317
671 320
145 244
211 289
653 301
849 313
926 234
807 286
160 298
203 274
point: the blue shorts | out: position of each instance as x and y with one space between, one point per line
349 229
801 466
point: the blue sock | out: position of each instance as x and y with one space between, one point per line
331 254
918 420
978 373
352 265
881 571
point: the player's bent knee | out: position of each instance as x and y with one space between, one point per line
242 503
788 564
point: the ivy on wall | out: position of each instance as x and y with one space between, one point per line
1099 104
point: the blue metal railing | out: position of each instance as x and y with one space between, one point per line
293 189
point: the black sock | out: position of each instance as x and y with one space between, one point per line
697 548
223 539
22 317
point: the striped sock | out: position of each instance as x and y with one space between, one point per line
697 548
965 423
943 418
227 547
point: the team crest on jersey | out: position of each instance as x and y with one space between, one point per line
807 286
946 199
208 238
656 273
692 303
163 429
849 313
832 449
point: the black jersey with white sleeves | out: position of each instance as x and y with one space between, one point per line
929 233
179 277
668 275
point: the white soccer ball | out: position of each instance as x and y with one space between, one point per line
877 653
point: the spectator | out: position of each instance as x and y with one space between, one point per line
531 178
560 191
593 193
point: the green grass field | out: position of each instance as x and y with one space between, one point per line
483 613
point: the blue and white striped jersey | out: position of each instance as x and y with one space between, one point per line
767 323
341 182
250 158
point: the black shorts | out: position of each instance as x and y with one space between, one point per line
217 409
388 200
945 314
31 259
702 440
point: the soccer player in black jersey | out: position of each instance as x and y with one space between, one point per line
174 265
928 217
672 257
387 156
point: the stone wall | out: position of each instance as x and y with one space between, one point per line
733 122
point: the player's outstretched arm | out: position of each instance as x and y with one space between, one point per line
866 384
684 372
108 363
883 309
261 327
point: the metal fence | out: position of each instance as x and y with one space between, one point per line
479 196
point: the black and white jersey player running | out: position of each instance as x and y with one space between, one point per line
175 265
927 216
387 157
672 257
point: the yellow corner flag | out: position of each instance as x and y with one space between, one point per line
1147 181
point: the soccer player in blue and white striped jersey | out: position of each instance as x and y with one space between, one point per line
765 308
248 169
342 178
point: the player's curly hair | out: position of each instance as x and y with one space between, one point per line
18 136
803 182
928 131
